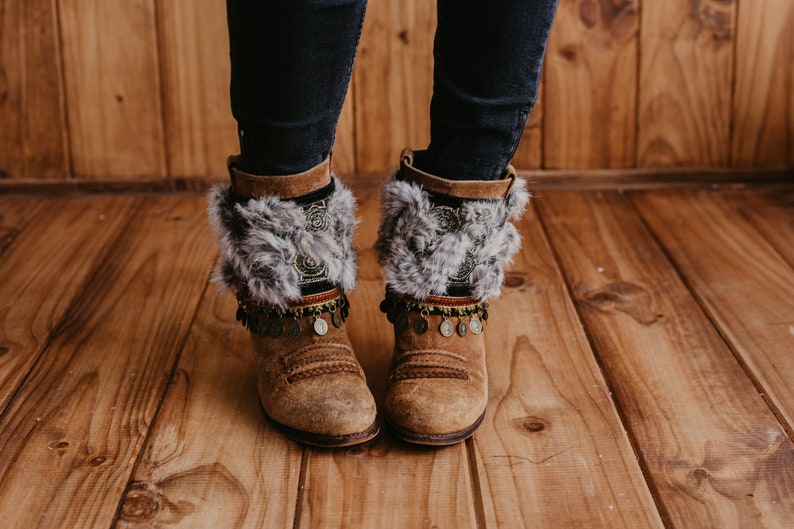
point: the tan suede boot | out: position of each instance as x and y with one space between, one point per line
443 245
286 249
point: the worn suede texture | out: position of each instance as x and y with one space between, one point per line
314 384
438 386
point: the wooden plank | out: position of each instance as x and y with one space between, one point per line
771 210
194 52
385 484
393 82
65 239
32 117
685 83
715 454
113 88
529 154
745 285
552 451
762 133
15 213
72 434
591 85
344 154
212 460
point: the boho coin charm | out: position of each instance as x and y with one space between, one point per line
446 328
463 329
320 326
295 329
336 319
420 326
277 329
475 325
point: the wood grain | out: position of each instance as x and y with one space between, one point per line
344 154
771 211
113 88
714 452
591 79
762 133
685 83
194 61
74 430
32 118
529 154
550 412
384 484
63 239
393 82
15 213
742 281
212 460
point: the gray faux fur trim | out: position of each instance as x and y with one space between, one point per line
420 253
261 238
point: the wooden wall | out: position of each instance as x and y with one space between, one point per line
109 90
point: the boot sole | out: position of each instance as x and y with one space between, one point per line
433 440
327 441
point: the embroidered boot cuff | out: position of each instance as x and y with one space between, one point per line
438 245
273 249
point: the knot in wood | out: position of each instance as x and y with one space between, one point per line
142 503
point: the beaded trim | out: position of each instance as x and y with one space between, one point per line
471 317
274 322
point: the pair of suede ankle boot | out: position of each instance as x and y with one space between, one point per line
286 250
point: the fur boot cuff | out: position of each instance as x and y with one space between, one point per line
269 246
431 249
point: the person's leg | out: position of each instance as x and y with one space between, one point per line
291 62
488 58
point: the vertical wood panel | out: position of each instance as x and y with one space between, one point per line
32 128
393 82
194 54
685 82
762 134
591 82
112 88
344 159
529 154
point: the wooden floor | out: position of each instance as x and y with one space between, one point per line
641 365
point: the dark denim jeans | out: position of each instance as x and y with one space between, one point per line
291 64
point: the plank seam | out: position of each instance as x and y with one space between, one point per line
296 518
476 489
661 509
787 428
158 409
165 147
62 100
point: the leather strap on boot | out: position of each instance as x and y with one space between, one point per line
466 189
246 185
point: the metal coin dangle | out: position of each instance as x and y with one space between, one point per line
295 329
320 326
463 329
475 325
446 328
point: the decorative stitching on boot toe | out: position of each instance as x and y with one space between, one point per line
293 357
311 373
427 373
